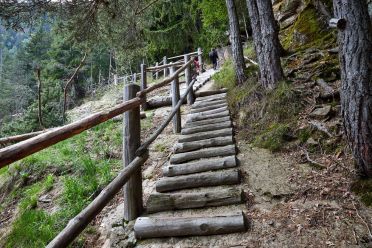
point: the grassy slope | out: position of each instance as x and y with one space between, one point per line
69 174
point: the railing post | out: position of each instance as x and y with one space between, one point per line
164 63
200 59
144 84
133 205
175 99
190 96
115 79
157 71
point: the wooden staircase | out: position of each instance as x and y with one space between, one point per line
204 157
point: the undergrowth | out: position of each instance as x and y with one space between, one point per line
265 116
83 165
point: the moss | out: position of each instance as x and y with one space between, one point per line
363 188
273 138
304 135
307 32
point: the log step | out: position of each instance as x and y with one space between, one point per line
210 112
213 97
207 179
146 227
214 106
197 105
210 92
201 144
206 135
207 122
204 153
160 202
172 170
206 128
205 116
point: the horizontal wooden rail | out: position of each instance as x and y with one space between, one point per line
20 137
25 148
77 224
181 56
160 67
152 138
166 81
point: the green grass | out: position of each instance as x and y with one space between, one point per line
363 188
83 168
273 138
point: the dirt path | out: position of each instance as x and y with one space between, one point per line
288 204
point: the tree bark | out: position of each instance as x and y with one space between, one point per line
355 42
40 113
266 41
236 44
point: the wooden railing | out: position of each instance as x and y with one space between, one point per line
135 154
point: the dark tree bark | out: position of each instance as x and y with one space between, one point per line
355 42
266 41
236 43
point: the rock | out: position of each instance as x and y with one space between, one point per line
44 199
321 112
148 173
311 141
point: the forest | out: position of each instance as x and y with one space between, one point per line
296 81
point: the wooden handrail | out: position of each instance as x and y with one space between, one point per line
181 56
20 137
160 67
166 81
153 137
25 148
77 224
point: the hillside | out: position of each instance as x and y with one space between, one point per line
299 177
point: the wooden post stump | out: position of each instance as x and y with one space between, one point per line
190 96
175 99
165 69
157 72
144 84
133 205
200 58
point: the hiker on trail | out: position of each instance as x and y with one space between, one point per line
213 56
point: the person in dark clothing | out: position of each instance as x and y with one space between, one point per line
213 56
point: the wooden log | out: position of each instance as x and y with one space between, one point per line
210 92
180 56
337 23
146 227
205 116
157 71
160 102
205 179
20 137
190 96
206 128
144 85
201 144
199 166
133 205
213 97
165 82
207 122
215 106
210 112
206 135
206 104
205 153
151 139
175 99
25 148
165 61
161 67
160 202
76 225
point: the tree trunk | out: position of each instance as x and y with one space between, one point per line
40 114
355 43
236 44
266 41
